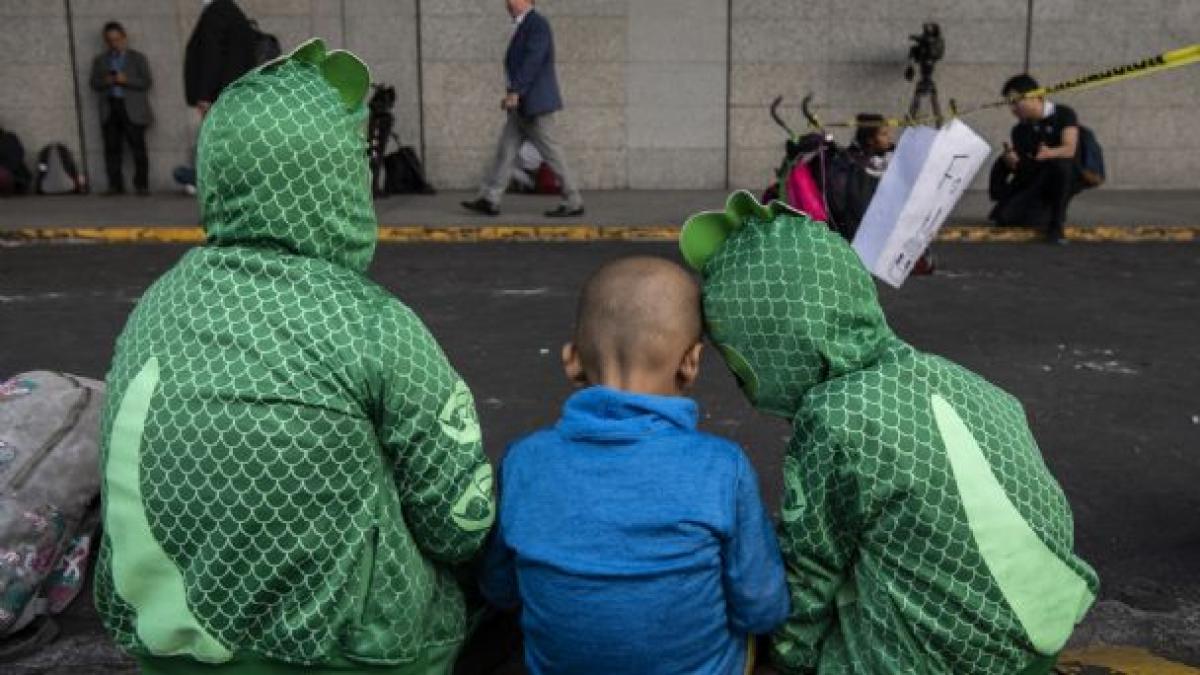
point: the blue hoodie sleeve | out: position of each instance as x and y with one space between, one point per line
756 591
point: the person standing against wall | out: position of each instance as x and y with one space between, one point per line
121 77
220 50
530 101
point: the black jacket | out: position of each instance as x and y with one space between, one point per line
220 50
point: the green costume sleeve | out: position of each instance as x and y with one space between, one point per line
430 430
816 520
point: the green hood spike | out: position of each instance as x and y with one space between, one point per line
282 159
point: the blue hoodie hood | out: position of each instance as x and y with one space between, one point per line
602 414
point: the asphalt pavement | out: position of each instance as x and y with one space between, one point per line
1098 341
607 208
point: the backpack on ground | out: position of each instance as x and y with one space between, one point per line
57 173
266 46
547 182
403 173
1091 159
12 161
49 490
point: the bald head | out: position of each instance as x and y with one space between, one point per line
639 313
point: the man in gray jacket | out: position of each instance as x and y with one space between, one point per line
121 77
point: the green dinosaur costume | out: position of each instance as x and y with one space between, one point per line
921 529
291 466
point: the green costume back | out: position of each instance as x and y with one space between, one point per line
291 466
921 528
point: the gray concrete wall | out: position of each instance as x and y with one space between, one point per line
659 93
38 92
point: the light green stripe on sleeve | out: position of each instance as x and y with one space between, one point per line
142 573
1044 593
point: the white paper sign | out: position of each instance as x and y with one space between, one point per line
928 173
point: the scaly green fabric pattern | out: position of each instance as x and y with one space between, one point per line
309 461
888 571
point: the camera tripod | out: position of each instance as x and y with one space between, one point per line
926 87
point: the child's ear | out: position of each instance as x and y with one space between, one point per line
573 365
689 366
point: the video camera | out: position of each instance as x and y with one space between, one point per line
928 48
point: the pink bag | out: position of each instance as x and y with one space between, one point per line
802 193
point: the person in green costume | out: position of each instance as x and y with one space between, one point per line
921 529
292 469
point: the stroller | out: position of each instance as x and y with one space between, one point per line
824 180
805 177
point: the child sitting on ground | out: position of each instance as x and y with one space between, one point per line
921 529
633 542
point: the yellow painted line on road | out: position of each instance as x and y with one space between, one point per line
464 234
1106 660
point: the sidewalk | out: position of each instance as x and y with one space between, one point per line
615 214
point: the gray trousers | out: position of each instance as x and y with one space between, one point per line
538 130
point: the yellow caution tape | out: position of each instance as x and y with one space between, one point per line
1167 60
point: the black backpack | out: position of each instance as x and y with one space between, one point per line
266 46
12 158
1091 159
403 172
57 173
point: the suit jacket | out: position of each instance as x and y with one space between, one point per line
529 66
137 81
220 50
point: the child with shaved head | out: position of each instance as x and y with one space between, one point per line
632 542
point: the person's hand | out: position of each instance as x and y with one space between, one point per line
120 78
510 102
203 107
1043 153
1010 157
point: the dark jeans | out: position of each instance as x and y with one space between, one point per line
1037 195
117 129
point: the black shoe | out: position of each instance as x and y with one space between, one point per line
112 193
483 206
564 211
1056 237
143 192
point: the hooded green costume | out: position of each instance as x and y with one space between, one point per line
291 466
921 529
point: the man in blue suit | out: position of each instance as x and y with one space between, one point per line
530 103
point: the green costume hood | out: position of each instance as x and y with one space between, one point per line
282 159
796 306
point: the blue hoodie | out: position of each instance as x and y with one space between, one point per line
633 542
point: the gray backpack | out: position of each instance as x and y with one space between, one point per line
49 488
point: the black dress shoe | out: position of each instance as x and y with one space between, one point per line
112 193
483 206
564 211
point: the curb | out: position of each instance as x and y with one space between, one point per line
465 234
